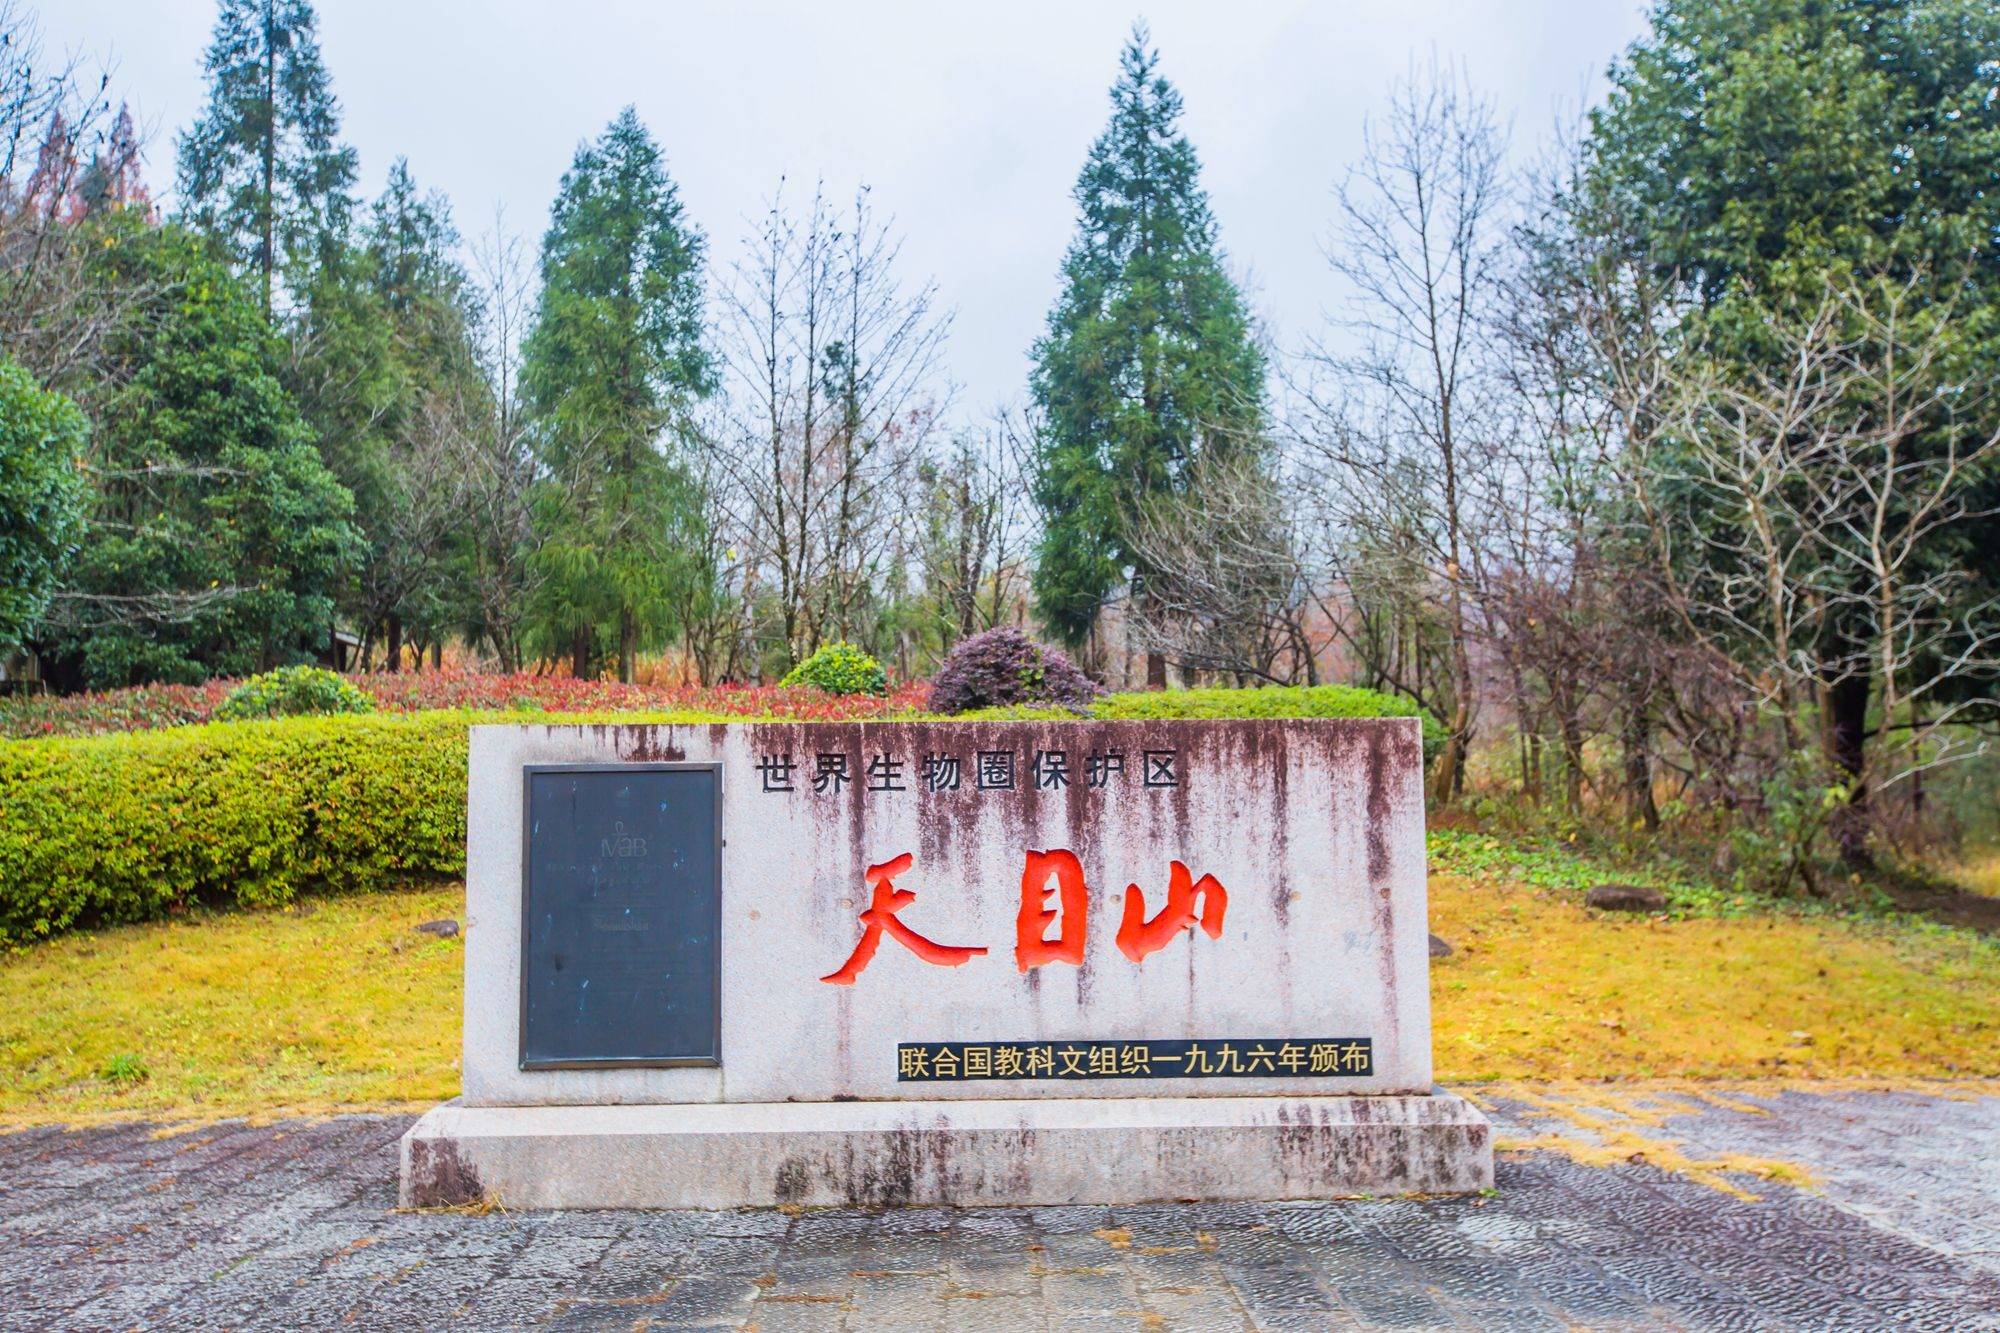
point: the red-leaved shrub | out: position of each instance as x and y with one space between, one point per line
1004 666
151 706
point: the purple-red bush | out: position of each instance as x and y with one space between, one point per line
1004 666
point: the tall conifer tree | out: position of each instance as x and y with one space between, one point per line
261 168
614 357
406 272
1149 358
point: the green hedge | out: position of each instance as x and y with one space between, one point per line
103 829
1272 701
126 828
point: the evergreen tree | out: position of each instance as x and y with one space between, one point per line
218 540
418 566
42 438
261 168
615 355
1149 359
1754 151
413 248
384 369
1751 144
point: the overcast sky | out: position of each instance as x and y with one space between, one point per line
969 121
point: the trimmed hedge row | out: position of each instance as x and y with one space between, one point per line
105 829
1270 701
127 828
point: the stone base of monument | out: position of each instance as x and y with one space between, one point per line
964 1153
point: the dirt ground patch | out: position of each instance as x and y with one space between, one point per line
1950 907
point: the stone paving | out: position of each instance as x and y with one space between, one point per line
294 1227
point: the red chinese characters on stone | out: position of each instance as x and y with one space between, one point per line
1138 937
1032 947
1053 894
881 916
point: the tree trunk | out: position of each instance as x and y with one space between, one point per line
1523 731
1156 671
1637 743
395 648
628 641
270 146
579 653
1572 740
1844 726
1917 800
1449 780
1461 711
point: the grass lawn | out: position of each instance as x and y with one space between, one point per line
1542 988
334 1004
339 1005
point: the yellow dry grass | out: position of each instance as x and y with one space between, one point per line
335 1005
340 1005
1979 872
1542 988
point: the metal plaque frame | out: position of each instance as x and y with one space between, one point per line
528 772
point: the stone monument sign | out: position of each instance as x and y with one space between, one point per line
1025 962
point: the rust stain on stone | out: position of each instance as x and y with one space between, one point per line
1268 760
939 813
1381 805
440 1176
793 1182
647 743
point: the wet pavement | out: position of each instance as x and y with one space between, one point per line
293 1226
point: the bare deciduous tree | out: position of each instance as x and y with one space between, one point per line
55 118
974 548
1416 244
834 391
498 465
1239 592
1825 475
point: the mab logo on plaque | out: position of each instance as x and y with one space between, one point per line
945 963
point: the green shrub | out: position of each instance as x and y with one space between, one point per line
294 691
1272 701
131 827
840 668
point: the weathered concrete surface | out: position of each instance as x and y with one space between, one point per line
293 1226
1916 1162
1314 828
1112 1151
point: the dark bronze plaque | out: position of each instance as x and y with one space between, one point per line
621 916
